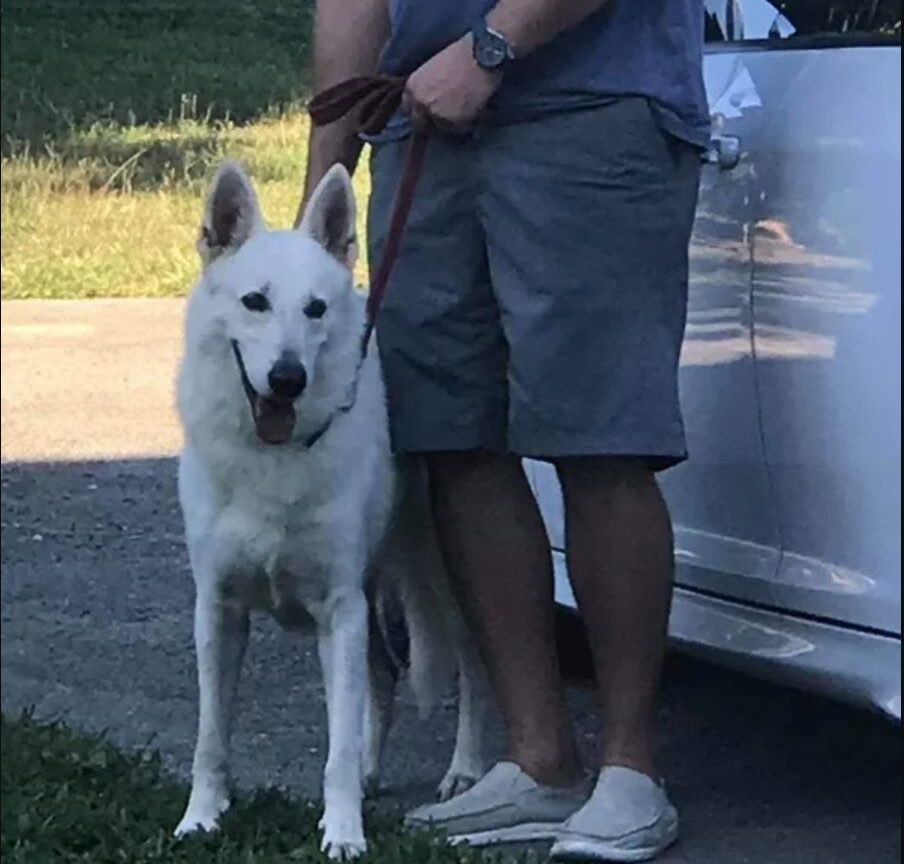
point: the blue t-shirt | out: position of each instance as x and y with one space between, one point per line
650 48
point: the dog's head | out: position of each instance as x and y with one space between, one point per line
282 297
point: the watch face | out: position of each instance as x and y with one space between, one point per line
491 51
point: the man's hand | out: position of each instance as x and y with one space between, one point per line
450 90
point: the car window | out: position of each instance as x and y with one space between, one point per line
795 21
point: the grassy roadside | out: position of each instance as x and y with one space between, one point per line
83 223
70 798
114 115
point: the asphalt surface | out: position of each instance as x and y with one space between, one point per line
96 625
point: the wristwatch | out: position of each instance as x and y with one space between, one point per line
490 48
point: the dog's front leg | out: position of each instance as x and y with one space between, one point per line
221 635
342 637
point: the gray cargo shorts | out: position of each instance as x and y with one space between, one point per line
538 303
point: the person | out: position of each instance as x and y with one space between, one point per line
537 309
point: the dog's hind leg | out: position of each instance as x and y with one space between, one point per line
475 700
342 643
221 635
382 677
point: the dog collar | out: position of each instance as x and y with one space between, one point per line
311 440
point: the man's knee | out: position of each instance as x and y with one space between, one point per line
448 466
603 473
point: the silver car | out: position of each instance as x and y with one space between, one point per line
788 513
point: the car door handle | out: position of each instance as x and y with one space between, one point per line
723 151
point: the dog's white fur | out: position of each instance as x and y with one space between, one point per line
310 534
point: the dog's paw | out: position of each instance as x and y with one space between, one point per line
343 835
343 848
202 815
192 823
455 782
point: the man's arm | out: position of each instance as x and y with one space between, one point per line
348 38
528 24
451 90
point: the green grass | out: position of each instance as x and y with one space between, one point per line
70 798
114 116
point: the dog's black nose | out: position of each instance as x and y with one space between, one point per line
287 378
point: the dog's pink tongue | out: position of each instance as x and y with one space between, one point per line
273 420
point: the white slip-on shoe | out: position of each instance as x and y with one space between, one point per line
627 818
505 806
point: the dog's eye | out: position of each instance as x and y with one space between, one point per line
315 308
256 302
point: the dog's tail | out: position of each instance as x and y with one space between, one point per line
416 613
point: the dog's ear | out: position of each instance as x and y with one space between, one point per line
231 214
330 216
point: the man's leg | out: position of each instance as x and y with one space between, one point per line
590 260
495 546
619 549
445 361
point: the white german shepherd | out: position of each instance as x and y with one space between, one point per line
293 503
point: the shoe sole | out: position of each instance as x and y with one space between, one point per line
526 832
588 848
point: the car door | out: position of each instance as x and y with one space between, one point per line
726 531
827 301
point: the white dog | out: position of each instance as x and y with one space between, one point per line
293 503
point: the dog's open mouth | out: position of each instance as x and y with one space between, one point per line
274 419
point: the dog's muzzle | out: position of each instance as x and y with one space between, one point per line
274 415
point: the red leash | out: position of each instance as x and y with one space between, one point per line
376 99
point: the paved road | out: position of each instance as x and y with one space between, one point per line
89 379
96 626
